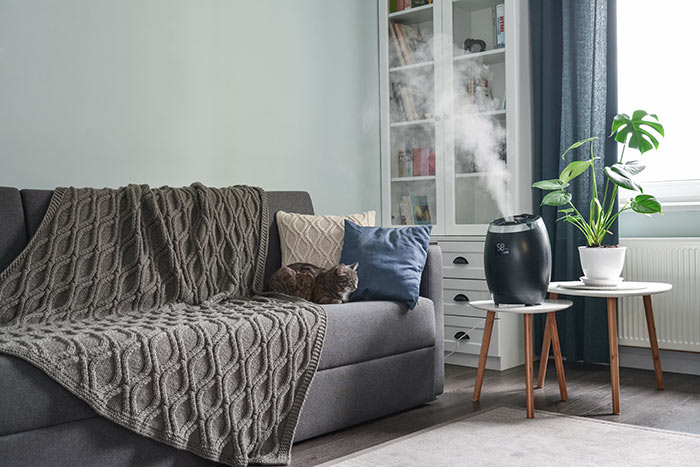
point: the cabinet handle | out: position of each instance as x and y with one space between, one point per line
461 335
460 297
460 260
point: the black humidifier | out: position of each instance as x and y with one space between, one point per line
518 260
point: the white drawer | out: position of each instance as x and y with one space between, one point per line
462 247
465 284
473 343
457 294
463 266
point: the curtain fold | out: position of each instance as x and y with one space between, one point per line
574 75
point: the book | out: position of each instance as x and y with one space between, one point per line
405 211
424 161
500 26
414 41
398 111
403 44
409 162
407 101
431 162
392 6
401 163
417 162
395 44
421 210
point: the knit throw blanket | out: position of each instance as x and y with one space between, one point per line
142 303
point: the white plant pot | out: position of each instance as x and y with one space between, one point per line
603 264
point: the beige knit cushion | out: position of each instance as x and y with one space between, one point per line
316 240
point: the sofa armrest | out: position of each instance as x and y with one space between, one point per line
431 287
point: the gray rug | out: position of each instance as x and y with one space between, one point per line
502 436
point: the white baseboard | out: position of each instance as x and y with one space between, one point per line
671 361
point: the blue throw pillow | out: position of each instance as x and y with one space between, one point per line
390 261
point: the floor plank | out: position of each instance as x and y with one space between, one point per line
675 408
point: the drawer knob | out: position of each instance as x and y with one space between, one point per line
461 335
460 260
460 297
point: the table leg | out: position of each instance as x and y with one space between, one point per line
614 358
485 342
653 341
545 350
556 349
528 367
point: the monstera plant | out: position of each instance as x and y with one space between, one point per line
601 264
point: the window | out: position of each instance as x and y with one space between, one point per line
658 72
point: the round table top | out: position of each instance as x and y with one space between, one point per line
636 289
547 307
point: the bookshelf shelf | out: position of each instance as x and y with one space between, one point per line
411 67
413 179
474 5
425 121
488 113
420 14
472 175
489 57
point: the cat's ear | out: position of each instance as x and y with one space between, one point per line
354 266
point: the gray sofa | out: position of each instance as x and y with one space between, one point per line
378 358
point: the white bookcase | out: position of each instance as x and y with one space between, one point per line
442 114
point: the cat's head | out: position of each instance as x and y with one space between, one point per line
346 280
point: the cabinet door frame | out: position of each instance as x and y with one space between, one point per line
385 116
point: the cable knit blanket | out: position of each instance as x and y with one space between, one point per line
142 303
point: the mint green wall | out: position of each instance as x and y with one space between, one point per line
281 94
671 224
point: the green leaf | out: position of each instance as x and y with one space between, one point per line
621 178
573 170
633 166
566 210
578 144
554 184
556 198
634 131
645 204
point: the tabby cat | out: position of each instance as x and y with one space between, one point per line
315 284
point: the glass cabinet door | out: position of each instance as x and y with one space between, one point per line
476 71
413 140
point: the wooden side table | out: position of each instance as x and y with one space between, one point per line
611 294
550 307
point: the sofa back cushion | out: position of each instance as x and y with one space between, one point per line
13 231
316 240
21 213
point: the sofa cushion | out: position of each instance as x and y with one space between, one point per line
390 260
316 240
361 331
356 332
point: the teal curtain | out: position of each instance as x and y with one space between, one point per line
574 73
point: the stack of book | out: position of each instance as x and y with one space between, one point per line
414 210
407 44
416 162
410 103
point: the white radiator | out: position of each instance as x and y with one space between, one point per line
676 313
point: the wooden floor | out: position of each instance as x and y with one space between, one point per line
675 408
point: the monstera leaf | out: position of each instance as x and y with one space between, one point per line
636 131
645 204
621 177
556 198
